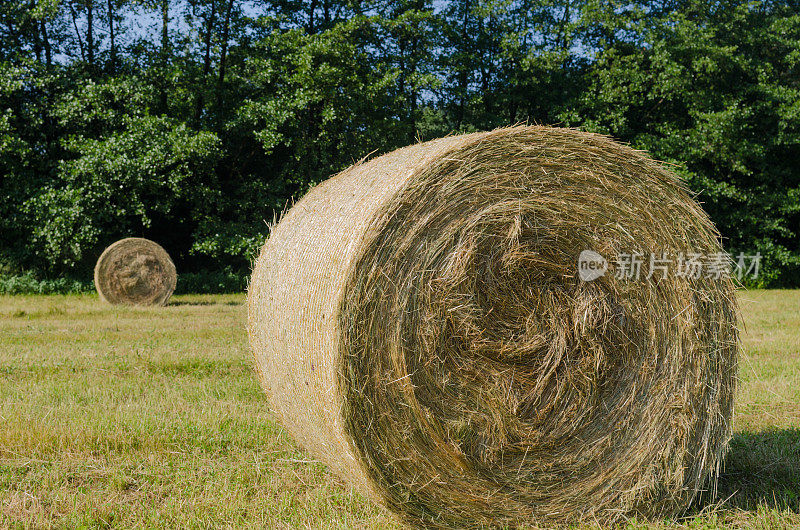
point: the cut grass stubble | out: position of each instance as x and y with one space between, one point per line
154 418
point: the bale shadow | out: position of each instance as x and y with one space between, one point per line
177 303
762 469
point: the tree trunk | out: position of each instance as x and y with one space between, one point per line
561 38
37 38
310 29
207 39
164 51
487 56
164 29
48 51
463 74
224 52
111 35
198 107
90 32
77 33
414 95
401 60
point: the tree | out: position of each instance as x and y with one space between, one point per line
221 111
714 88
153 176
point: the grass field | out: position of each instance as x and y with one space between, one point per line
154 418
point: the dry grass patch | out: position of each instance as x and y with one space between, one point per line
153 418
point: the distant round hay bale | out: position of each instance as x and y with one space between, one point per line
419 324
135 271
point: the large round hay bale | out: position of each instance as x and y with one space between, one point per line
419 324
135 271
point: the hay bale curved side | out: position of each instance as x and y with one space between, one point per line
135 271
419 324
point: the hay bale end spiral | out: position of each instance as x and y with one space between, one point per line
419 325
135 271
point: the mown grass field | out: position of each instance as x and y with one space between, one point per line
154 418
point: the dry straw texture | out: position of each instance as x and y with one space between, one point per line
419 325
135 271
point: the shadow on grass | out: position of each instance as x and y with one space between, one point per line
199 303
762 469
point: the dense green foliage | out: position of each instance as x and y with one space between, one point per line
192 122
197 282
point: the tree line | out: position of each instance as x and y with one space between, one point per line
192 122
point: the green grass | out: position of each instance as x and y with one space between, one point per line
153 417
